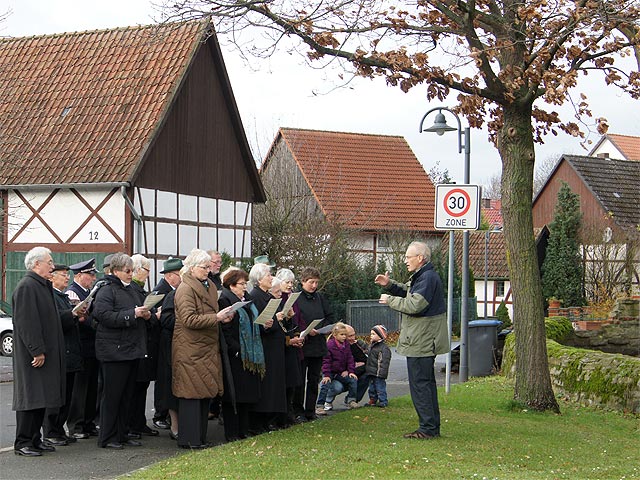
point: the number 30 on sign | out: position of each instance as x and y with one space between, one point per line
457 207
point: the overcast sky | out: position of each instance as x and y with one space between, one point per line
282 92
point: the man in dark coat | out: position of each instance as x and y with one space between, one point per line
38 359
167 284
55 418
84 399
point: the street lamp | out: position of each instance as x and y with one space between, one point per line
440 126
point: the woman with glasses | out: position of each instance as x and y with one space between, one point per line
293 345
270 412
148 366
246 357
120 344
196 360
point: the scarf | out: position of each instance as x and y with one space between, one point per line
250 342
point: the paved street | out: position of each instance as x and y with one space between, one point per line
84 460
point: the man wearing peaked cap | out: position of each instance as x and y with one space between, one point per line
106 264
82 410
87 266
170 267
170 281
263 259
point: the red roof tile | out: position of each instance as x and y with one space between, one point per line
496 258
371 182
83 107
493 213
627 144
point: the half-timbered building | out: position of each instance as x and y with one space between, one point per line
121 140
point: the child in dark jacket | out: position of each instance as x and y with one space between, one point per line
378 366
338 366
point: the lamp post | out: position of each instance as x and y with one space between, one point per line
440 126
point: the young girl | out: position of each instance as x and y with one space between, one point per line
378 366
338 367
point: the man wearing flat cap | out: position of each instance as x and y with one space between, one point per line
83 407
162 388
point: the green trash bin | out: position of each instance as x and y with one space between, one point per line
483 339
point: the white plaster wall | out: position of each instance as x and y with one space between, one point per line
64 214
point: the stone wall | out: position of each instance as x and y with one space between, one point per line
620 336
586 376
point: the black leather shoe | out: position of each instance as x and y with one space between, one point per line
161 424
114 445
150 432
55 442
28 452
173 436
93 432
70 439
80 435
132 443
44 447
134 435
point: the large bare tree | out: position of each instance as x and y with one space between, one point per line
512 63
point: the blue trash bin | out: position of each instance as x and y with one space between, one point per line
483 339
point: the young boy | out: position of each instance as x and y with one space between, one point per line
378 366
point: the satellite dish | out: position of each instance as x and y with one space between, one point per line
608 234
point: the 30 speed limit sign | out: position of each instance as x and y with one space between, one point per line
457 207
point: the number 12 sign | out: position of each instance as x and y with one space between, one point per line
457 207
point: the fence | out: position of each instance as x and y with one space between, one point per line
364 314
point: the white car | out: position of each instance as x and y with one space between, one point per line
6 334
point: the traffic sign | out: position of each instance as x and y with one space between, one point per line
457 207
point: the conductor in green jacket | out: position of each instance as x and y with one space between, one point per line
423 332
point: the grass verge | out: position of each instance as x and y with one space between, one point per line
484 436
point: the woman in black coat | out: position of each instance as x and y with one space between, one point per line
147 366
270 412
120 344
246 357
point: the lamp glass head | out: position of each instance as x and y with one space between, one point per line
440 125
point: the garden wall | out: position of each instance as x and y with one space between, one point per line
586 376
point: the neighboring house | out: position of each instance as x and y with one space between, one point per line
609 202
623 147
121 140
371 184
487 255
491 212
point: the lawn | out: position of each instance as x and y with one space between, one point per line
484 436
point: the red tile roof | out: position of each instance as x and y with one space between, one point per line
627 144
84 107
496 258
370 182
493 213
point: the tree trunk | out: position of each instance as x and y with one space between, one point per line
515 144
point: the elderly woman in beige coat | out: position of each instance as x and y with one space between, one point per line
196 360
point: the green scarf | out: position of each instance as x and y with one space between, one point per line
250 342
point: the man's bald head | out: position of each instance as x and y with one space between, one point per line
351 334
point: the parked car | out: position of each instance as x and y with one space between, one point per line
6 334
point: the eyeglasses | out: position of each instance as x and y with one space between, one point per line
204 267
216 262
407 257
146 269
242 284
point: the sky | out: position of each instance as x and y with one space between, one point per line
283 91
